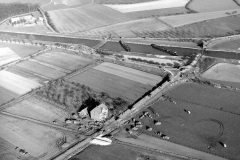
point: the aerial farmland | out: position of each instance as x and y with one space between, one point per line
223 74
119 79
91 16
209 5
208 122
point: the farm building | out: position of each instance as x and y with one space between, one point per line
26 20
99 113
84 112
15 19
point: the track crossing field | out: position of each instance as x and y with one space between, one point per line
214 117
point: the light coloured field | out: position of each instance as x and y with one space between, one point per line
36 108
63 60
129 29
40 69
84 18
129 73
38 140
21 50
212 5
16 83
41 2
7 55
223 72
32 29
28 74
73 2
180 20
120 1
124 8
65 2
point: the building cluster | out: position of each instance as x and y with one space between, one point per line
98 113
27 20
89 119
21 151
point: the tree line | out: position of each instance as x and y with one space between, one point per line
75 97
12 9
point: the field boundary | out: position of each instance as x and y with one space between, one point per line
45 21
236 2
50 66
171 27
186 6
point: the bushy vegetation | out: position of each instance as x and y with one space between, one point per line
12 9
143 60
125 46
75 96
163 49
201 81
104 53
121 1
187 60
51 24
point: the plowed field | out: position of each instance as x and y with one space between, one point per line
118 81
213 119
212 5
40 69
85 18
63 60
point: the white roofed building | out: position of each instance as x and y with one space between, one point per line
99 113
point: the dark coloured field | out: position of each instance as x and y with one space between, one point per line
115 46
222 54
27 74
183 51
213 28
6 95
207 125
119 152
157 12
41 70
208 97
115 86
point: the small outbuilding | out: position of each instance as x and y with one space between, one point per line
84 112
